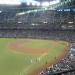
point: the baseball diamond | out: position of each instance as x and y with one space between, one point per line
29 56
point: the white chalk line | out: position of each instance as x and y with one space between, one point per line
26 69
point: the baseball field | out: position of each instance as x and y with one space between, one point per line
29 56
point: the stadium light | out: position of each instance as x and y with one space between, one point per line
45 22
33 3
33 24
28 3
54 2
70 22
10 2
45 4
0 11
19 22
37 4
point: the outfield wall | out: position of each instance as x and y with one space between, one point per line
68 35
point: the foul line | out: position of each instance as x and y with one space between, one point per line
26 69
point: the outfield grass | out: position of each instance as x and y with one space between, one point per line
16 63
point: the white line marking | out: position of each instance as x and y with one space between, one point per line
27 68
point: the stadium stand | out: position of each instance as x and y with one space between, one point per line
50 24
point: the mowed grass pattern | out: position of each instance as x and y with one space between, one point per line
14 63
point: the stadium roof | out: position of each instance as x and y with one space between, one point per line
49 7
44 0
17 2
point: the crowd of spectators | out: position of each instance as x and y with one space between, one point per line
65 66
50 19
39 34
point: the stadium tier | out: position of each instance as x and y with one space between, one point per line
50 19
